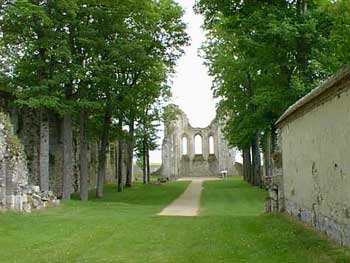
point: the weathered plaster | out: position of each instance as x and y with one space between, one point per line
316 159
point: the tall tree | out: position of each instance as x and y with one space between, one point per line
34 33
264 55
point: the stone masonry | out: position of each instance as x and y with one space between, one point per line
181 159
26 125
15 191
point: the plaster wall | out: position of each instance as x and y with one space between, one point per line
316 165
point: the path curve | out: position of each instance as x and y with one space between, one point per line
188 204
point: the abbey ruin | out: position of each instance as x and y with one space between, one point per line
16 192
195 152
22 144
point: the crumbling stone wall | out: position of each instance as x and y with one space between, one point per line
15 191
177 164
27 126
315 137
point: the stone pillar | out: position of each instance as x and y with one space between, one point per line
44 151
205 145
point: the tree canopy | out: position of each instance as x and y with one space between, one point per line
264 55
110 61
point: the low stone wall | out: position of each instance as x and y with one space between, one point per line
15 191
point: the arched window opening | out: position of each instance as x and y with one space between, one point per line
198 144
211 145
184 146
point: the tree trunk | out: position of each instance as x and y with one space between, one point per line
267 154
67 156
256 161
84 165
44 156
252 150
116 161
102 156
76 164
148 165
250 170
120 158
120 166
253 170
130 153
144 168
245 165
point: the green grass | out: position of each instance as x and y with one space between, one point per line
125 228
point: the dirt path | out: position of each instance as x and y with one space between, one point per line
188 203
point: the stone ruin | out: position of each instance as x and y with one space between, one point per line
195 152
26 126
15 191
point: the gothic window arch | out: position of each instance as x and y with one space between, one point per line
198 149
211 145
184 145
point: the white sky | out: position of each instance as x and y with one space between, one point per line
191 85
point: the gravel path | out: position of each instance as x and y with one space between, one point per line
188 203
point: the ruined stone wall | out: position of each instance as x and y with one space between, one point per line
316 159
27 126
13 170
177 164
16 193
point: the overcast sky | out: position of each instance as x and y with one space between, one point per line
191 85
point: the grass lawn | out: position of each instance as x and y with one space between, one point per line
125 228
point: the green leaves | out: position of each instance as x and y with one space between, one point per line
91 54
265 55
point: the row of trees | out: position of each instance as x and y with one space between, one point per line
101 65
264 55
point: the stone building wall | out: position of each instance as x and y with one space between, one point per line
177 164
315 138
